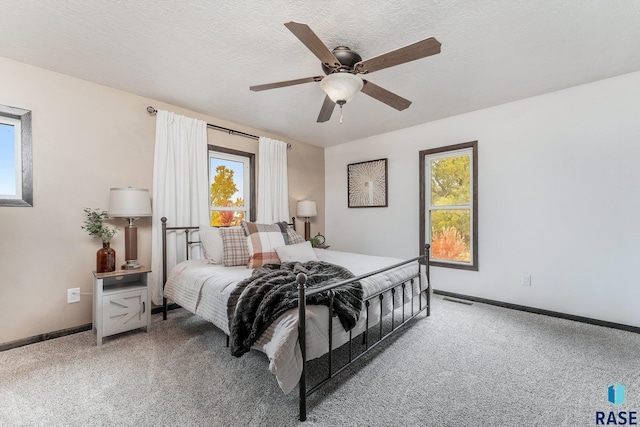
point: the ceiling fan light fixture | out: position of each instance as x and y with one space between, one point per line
341 87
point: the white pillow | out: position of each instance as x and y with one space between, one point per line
300 252
211 242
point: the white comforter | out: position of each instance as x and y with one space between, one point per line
204 288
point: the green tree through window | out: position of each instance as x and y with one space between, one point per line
448 205
450 228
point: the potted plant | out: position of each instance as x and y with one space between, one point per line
94 224
317 241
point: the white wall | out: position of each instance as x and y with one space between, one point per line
559 198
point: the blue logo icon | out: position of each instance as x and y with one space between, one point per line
616 394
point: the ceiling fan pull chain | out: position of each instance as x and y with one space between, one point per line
341 114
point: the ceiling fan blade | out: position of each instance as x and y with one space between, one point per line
326 110
383 95
313 43
258 88
414 51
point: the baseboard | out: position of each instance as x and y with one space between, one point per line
597 322
44 337
64 332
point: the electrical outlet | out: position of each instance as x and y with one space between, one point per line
73 295
525 279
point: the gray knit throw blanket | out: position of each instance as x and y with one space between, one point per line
272 289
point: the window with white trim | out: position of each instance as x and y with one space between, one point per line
231 186
449 205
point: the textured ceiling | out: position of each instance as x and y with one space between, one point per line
204 55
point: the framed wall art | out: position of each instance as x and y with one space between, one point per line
367 184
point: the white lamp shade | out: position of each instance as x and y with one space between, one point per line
129 202
307 208
341 87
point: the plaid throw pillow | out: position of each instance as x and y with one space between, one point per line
262 239
234 246
294 237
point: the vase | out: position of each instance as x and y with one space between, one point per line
105 259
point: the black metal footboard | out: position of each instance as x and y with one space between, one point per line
303 293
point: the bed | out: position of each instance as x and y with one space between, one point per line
391 292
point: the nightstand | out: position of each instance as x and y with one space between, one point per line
120 302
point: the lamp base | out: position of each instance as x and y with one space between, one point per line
131 246
131 264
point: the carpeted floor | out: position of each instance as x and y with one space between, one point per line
466 365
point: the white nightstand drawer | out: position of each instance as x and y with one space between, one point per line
124 311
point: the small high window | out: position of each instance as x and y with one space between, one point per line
16 177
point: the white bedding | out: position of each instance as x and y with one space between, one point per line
204 288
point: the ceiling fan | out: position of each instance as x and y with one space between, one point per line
342 66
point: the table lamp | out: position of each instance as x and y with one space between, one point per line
130 203
307 209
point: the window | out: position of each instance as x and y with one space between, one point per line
449 205
231 186
16 188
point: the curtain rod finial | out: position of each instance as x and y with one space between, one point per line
151 110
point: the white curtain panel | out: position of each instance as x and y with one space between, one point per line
180 188
273 184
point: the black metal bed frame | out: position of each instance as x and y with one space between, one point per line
303 293
188 243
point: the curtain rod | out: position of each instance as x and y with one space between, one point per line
152 110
